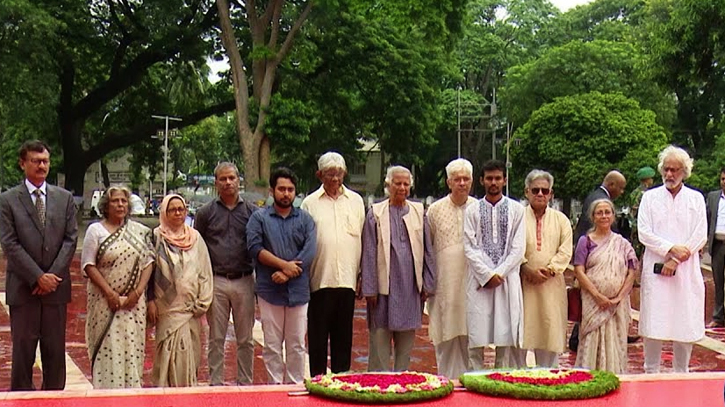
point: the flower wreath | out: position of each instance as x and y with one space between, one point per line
542 384
380 387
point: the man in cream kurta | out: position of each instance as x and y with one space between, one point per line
548 251
339 214
494 244
447 309
673 228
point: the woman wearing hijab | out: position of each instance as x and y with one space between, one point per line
183 292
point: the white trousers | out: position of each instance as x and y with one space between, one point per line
543 358
453 358
288 326
653 354
508 357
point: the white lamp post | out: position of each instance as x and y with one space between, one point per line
166 144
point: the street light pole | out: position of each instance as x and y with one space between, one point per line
166 144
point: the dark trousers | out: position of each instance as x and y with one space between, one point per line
30 323
718 276
330 315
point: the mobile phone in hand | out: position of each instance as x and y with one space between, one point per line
658 268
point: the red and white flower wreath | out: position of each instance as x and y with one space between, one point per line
544 384
380 387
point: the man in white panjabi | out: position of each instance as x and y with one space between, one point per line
548 251
673 228
447 309
494 244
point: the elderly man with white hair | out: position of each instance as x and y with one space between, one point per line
398 272
447 309
339 214
673 228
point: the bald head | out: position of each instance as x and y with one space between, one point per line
615 183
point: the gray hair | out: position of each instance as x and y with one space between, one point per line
459 165
329 160
678 154
224 165
105 200
538 174
593 207
396 169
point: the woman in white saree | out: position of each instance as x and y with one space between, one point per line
117 258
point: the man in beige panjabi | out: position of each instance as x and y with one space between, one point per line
548 252
447 309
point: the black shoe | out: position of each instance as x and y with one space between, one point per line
632 339
574 338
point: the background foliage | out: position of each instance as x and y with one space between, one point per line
601 86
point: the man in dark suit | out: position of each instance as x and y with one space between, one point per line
611 188
716 248
38 233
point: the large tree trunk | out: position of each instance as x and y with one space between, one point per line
104 175
265 33
264 159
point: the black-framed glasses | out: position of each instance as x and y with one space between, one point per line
38 161
181 209
544 191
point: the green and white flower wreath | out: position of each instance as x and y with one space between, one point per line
542 384
380 387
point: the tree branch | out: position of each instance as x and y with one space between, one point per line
132 16
292 32
274 34
159 51
239 77
144 131
251 6
265 18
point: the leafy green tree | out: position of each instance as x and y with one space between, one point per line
497 34
106 67
610 20
373 52
686 46
27 89
581 137
581 67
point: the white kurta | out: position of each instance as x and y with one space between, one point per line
495 316
672 308
447 309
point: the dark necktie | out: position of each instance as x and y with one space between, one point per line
40 206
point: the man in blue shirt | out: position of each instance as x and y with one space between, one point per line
282 240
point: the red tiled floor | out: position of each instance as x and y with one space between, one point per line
669 393
423 355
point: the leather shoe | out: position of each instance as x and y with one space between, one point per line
715 324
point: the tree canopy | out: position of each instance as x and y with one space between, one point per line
580 138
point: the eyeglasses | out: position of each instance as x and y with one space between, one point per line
544 191
671 169
333 174
176 210
38 161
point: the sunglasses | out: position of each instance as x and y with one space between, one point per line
544 191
